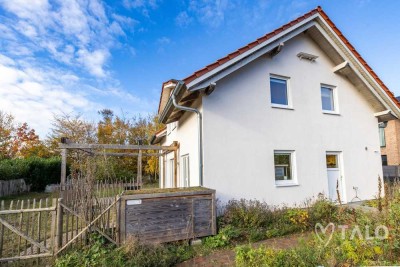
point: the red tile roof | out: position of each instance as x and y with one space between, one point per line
247 47
264 38
357 55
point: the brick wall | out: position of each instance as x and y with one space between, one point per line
392 149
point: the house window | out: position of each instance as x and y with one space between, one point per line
328 99
384 160
280 96
171 127
284 167
185 171
332 161
382 139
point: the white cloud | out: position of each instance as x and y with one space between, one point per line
210 12
163 40
141 3
34 94
54 59
94 61
183 19
69 30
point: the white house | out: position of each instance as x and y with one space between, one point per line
284 118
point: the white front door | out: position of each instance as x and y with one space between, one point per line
334 175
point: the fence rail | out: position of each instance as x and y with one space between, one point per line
26 229
34 229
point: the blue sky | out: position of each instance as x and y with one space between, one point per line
79 56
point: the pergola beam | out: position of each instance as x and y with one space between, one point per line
128 154
112 146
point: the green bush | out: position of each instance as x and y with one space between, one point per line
247 214
132 254
38 172
339 252
224 237
322 211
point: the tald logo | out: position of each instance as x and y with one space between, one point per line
322 234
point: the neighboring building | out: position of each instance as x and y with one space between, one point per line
284 118
389 137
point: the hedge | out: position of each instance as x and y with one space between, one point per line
38 172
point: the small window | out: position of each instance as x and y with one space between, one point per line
332 161
382 139
171 127
328 99
279 91
185 171
384 160
284 169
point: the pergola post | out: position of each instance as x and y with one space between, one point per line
175 165
163 170
139 175
63 167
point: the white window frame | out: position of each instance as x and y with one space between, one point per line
171 172
335 110
288 92
185 173
293 181
171 127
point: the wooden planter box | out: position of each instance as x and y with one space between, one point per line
165 215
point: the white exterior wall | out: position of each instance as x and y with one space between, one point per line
242 130
186 134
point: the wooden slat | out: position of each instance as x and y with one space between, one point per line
170 218
18 232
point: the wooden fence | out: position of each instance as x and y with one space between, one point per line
391 173
27 229
12 187
36 229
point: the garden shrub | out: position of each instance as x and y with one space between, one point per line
247 214
339 252
224 237
132 254
322 211
38 172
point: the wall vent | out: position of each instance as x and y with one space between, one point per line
307 56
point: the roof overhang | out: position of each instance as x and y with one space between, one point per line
159 136
386 115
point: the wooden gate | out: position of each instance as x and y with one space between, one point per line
74 222
27 229
34 229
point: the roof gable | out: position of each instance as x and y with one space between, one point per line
254 49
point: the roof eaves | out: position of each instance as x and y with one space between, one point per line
358 56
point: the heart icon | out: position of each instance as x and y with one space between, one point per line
320 230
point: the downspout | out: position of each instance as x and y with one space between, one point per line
200 131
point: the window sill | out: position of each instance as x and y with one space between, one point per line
286 185
281 106
331 112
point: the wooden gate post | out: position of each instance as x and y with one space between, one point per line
139 175
59 228
63 168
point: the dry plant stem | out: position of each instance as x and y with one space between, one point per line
379 194
338 193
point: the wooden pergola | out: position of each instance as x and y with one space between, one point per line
129 151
